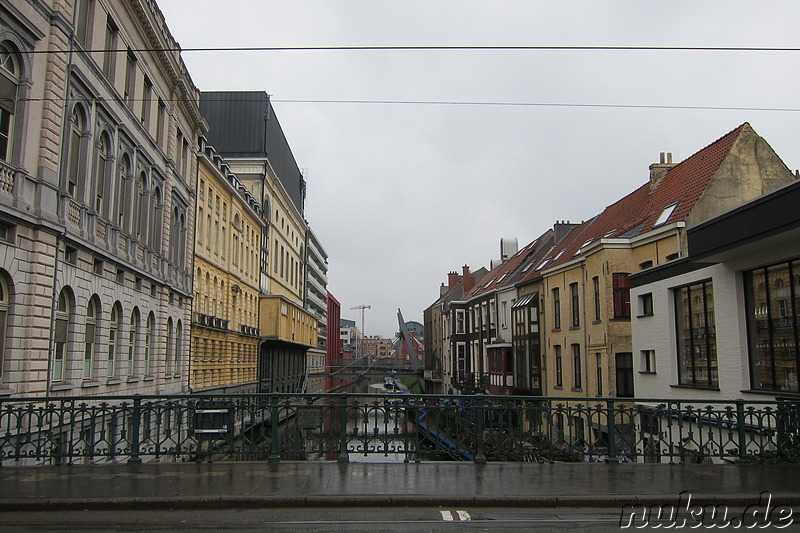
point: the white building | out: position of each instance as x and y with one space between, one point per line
722 324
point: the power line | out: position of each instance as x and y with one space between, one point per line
439 48
467 103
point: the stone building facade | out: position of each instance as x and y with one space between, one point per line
97 173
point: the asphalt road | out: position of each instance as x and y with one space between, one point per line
373 519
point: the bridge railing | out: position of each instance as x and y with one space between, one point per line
342 427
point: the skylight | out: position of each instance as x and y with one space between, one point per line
665 214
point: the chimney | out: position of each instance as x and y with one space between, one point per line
467 281
561 228
660 169
452 279
443 290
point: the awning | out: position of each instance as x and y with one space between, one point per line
525 300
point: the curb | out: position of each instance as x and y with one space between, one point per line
379 500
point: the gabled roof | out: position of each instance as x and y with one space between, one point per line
510 271
681 187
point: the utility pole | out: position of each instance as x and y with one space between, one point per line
360 343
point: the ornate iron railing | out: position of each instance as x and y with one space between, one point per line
343 427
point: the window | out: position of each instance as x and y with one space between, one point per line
9 81
75 160
102 172
149 337
109 53
665 214
60 337
130 77
123 184
161 120
556 310
599 370
133 342
645 265
697 342
178 347
647 359
624 367
622 295
113 340
5 298
157 212
573 293
559 376
90 339
140 208
772 308
461 360
460 317
596 293
169 348
147 97
646 304
576 365
82 21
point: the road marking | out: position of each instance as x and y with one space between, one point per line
447 516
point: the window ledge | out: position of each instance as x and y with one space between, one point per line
556 387
620 319
702 387
113 381
653 372
775 393
60 387
90 384
132 379
644 315
6 392
576 389
597 321
555 330
148 378
573 328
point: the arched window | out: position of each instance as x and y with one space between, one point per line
133 342
140 208
158 220
102 175
113 339
75 160
9 81
61 336
178 347
4 305
90 338
170 348
149 339
121 200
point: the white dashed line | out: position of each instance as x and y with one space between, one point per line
464 516
447 516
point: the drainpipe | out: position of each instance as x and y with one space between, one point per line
53 306
585 329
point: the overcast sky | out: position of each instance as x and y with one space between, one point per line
400 194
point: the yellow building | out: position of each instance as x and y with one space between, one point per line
586 293
225 324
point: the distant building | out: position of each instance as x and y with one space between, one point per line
316 303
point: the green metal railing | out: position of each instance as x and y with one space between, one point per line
344 427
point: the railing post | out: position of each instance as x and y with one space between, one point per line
274 453
480 456
740 426
611 420
343 455
135 430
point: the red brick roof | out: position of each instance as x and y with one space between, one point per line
638 212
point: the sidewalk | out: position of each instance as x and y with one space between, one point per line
238 485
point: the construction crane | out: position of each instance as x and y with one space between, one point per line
360 343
